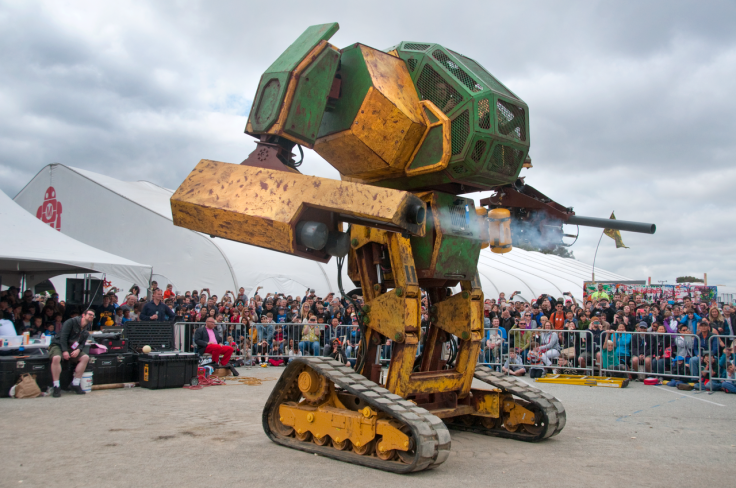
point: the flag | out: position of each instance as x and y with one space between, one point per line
615 235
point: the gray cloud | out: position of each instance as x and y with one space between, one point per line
630 102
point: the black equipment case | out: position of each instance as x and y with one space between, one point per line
12 367
167 370
113 368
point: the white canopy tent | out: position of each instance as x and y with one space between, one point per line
38 252
133 219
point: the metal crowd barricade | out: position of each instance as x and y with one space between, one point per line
723 358
571 351
568 351
650 354
492 349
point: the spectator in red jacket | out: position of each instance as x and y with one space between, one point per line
169 293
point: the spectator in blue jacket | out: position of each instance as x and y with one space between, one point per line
691 319
156 309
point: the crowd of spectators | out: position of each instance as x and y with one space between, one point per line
625 335
622 335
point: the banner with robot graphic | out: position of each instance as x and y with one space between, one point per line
655 292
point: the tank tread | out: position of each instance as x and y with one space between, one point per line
431 437
551 409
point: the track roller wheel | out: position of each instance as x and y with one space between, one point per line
538 426
388 455
408 455
533 429
508 426
282 429
366 449
304 436
321 441
342 445
489 422
468 420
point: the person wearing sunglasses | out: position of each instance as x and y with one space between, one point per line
310 336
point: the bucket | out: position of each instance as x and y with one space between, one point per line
86 383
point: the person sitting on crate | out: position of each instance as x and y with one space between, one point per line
209 341
156 309
68 346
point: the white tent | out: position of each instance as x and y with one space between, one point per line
133 219
534 273
39 252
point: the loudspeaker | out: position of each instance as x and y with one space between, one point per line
77 295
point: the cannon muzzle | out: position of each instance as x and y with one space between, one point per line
626 225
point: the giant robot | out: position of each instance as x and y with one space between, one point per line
410 129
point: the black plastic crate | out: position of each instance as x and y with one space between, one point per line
113 368
12 367
158 335
167 370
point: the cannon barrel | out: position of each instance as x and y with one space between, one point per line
626 225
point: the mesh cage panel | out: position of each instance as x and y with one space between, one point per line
460 129
484 75
416 47
478 150
457 71
511 120
484 113
433 87
412 64
505 160
458 217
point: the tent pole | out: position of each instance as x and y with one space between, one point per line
596 254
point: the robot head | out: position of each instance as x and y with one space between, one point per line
490 124
50 194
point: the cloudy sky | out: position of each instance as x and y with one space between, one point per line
630 108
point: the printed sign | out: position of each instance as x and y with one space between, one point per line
655 292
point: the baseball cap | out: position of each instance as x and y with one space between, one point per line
643 324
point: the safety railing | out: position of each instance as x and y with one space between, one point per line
720 369
565 351
676 357
261 343
570 351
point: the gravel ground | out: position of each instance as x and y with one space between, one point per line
638 436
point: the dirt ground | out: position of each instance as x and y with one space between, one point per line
638 436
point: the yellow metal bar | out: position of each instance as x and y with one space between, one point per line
569 379
261 207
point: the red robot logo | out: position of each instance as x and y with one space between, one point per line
50 210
